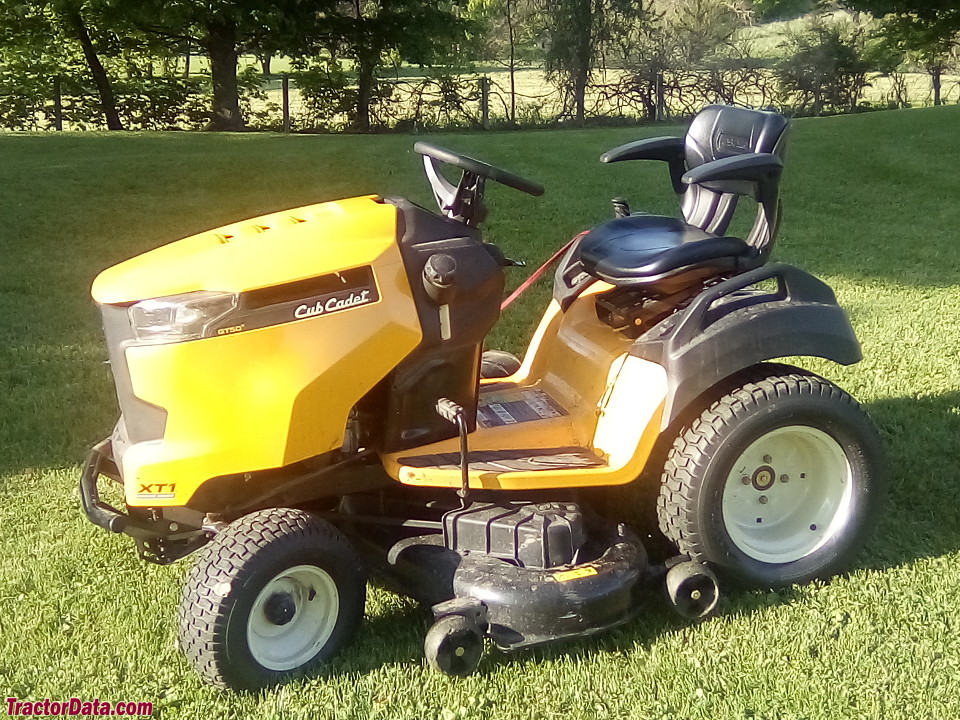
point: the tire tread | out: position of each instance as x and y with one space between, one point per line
685 470
204 613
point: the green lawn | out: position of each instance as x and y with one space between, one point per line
870 206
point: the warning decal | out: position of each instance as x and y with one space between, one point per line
516 406
575 574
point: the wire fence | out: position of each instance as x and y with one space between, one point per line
300 103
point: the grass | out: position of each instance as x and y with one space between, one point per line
869 207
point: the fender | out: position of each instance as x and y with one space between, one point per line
732 326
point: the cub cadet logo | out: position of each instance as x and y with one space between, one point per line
157 490
333 304
733 142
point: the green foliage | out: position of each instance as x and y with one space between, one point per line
507 30
371 33
682 53
824 70
768 10
162 103
923 32
579 34
255 105
23 100
329 101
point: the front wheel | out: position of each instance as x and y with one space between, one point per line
777 482
276 593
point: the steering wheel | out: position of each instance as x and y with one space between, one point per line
464 201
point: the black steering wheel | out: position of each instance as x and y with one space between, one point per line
464 201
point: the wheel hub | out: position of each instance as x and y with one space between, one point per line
763 478
292 618
787 494
280 608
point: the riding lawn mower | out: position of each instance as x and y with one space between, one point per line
306 403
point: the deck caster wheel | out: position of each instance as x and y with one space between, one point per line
272 596
454 645
692 589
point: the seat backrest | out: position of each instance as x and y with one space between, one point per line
721 131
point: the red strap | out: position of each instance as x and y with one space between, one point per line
525 285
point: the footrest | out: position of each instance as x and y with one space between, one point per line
521 460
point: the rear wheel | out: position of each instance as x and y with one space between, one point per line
275 594
777 482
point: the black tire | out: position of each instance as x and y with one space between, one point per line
454 645
498 364
820 427
222 615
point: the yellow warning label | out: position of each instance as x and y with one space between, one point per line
567 575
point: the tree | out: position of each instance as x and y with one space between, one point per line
49 28
370 32
579 32
675 37
923 30
509 37
825 69
222 29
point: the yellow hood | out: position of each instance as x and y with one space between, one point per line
261 252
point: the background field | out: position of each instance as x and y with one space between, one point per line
870 207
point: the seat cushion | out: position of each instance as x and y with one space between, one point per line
641 249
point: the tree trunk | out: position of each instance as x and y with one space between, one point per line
221 46
936 76
513 64
365 76
265 60
107 101
582 57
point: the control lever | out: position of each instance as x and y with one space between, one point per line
500 259
454 414
621 208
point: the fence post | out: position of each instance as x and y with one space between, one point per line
485 102
285 85
57 104
661 102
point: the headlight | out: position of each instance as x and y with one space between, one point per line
179 317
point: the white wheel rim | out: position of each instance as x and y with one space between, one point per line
788 494
293 618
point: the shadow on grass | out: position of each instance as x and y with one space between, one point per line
921 517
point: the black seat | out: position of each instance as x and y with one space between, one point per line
728 152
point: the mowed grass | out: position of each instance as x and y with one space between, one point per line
870 206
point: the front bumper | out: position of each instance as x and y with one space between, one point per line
159 540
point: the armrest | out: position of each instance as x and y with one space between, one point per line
658 148
665 149
756 174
